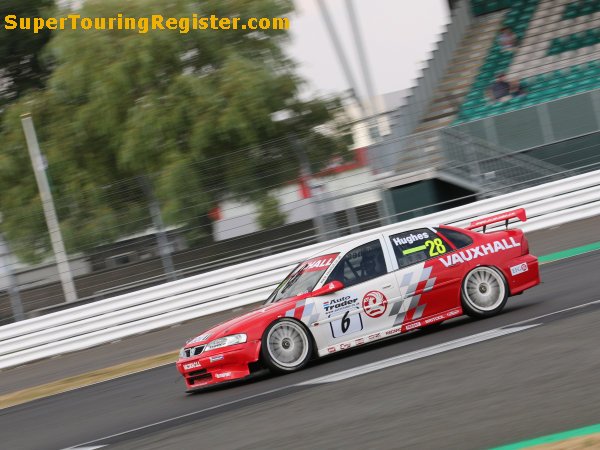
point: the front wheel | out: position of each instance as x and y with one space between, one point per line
484 292
286 346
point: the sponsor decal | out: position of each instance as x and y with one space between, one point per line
340 305
374 304
200 338
193 365
376 336
393 331
428 321
520 268
398 241
216 358
319 263
223 375
413 325
454 312
363 252
363 340
443 316
435 319
479 251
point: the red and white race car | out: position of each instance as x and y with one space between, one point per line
366 290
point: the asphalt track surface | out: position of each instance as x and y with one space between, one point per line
541 377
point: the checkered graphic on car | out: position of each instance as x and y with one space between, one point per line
408 287
305 311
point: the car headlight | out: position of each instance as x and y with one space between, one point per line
226 341
182 353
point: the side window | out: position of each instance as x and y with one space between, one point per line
360 264
458 239
412 247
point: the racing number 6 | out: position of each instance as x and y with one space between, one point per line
345 322
436 247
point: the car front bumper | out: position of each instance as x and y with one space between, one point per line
217 366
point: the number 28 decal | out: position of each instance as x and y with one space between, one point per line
436 247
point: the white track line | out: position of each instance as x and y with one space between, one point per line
556 312
418 354
83 446
93 447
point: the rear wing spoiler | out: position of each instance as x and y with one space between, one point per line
502 217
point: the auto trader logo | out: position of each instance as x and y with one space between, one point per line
339 305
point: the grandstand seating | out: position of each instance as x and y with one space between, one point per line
480 7
581 8
557 56
462 70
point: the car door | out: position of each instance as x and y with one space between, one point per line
361 307
427 287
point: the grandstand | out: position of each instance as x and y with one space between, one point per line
450 134
558 55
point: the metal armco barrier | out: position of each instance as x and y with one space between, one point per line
104 321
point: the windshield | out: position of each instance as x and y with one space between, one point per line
303 278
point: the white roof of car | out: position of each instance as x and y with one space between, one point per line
353 242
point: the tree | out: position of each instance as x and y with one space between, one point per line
21 62
190 111
269 214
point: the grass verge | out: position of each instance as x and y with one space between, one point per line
86 379
578 439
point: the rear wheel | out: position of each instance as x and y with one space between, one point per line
286 346
484 292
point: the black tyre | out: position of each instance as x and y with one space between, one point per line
286 346
484 292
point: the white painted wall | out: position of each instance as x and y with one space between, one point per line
238 218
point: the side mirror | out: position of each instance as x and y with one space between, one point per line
329 288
